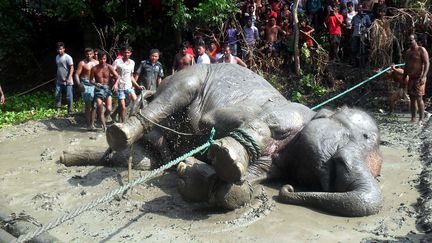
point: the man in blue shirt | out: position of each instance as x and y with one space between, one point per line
150 72
359 24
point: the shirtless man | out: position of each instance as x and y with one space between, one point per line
83 81
100 78
397 75
183 59
416 68
272 31
229 58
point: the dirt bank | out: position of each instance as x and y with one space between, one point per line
32 180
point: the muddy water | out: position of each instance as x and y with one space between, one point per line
31 180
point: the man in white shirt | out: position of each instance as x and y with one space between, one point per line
124 86
202 55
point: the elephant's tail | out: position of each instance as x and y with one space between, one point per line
364 201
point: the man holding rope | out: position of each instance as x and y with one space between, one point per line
416 68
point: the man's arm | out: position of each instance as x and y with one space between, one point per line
2 97
174 66
92 79
240 62
77 74
114 73
340 21
69 79
192 59
425 64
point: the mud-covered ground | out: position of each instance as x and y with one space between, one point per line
34 182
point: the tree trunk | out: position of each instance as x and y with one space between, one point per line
296 38
100 157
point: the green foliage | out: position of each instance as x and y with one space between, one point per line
307 85
65 10
16 34
277 83
208 13
418 4
213 13
37 105
297 97
179 13
305 54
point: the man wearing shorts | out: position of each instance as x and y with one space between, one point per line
125 68
102 92
82 78
416 68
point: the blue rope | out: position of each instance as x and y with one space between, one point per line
356 86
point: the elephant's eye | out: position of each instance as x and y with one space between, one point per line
366 136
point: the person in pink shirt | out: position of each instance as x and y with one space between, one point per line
334 22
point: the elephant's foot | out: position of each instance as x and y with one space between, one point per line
229 158
122 135
230 195
195 181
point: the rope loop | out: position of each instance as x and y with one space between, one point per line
248 142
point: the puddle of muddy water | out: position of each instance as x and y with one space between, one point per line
32 180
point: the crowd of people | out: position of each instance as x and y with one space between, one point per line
267 25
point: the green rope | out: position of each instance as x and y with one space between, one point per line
107 197
248 142
356 86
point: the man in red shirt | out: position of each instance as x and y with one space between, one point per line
335 22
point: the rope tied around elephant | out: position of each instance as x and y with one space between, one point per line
107 197
248 142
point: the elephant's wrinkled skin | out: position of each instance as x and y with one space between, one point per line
336 151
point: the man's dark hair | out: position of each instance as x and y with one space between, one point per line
201 44
183 45
153 51
350 4
101 53
88 49
125 47
60 44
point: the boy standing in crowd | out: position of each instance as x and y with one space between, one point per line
125 68
150 72
203 58
64 81
82 78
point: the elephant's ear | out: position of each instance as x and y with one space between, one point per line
323 113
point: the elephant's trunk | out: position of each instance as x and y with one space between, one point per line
364 200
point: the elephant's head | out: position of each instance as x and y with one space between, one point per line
340 150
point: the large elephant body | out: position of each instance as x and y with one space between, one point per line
336 151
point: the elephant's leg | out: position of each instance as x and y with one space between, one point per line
158 140
230 158
234 195
196 179
176 96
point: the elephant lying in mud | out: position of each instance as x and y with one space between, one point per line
336 153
